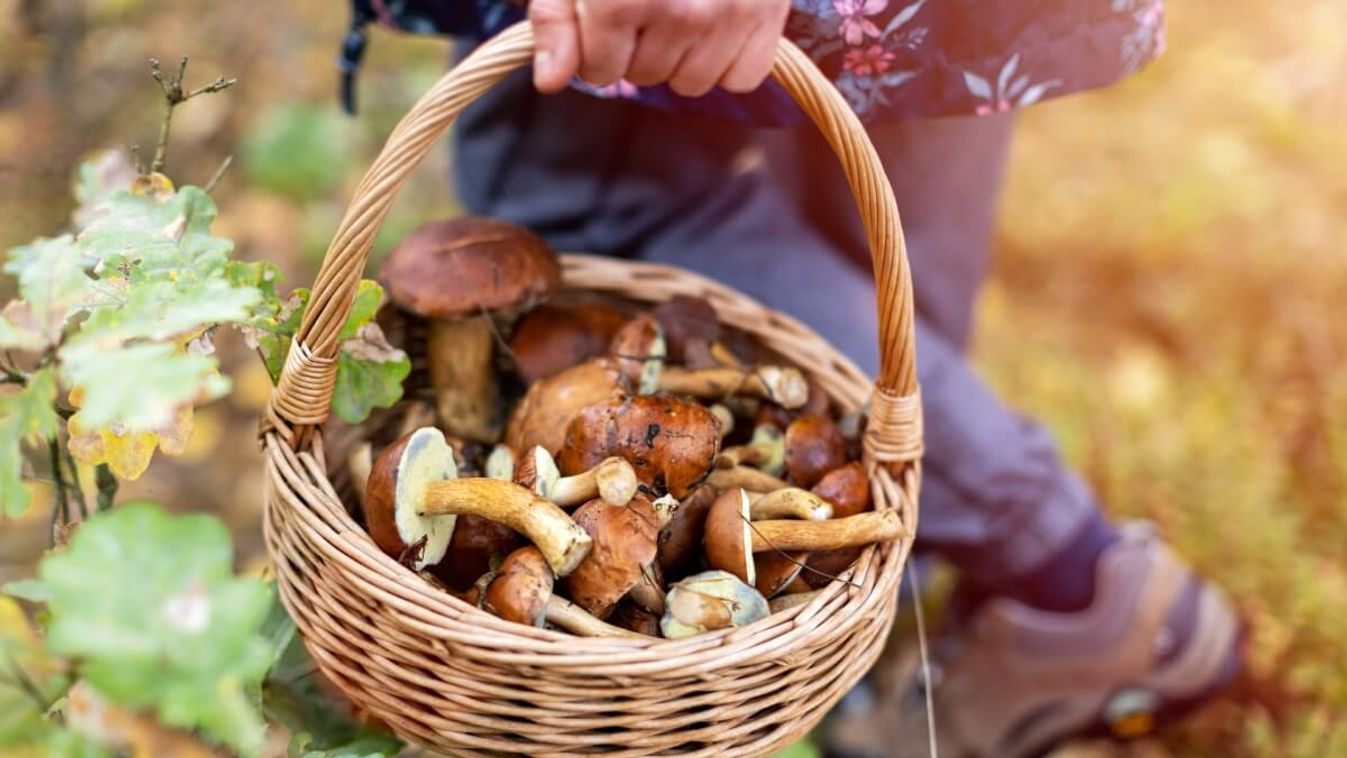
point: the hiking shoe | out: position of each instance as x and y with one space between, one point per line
1011 681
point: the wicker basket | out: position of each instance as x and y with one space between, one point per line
453 678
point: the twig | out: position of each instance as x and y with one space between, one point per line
107 486
75 483
60 508
925 656
173 97
219 174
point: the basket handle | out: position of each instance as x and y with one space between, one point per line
303 397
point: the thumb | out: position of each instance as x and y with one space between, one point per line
557 39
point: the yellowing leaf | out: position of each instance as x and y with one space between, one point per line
127 454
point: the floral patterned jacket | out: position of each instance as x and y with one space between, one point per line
891 59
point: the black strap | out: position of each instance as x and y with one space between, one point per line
353 52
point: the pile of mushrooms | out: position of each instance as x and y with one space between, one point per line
600 469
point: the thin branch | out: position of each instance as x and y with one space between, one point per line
60 507
26 684
76 487
219 174
173 97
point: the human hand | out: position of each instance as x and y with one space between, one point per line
692 45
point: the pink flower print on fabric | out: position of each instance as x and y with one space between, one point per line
855 25
871 61
1008 91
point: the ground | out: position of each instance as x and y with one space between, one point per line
1167 293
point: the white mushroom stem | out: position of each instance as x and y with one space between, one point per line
785 386
359 463
766 451
466 397
613 479
562 542
743 476
833 534
789 503
571 617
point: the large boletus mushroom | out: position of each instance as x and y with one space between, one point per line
521 591
731 538
692 333
461 274
708 601
621 562
554 337
680 539
671 443
414 498
541 417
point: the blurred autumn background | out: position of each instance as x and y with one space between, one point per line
1169 290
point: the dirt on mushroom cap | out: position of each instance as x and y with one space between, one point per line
672 444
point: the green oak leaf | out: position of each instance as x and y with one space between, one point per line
165 309
363 744
369 374
168 626
31 679
27 415
97 178
160 233
138 387
370 371
53 286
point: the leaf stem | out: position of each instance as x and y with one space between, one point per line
26 684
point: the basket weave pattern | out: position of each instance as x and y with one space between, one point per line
453 678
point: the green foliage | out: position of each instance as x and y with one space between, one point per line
296 149
25 416
167 626
370 371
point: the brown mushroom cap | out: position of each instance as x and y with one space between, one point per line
403 470
681 538
848 489
638 348
520 591
727 539
671 443
690 326
777 571
634 618
552 338
814 447
461 266
541 418
624 547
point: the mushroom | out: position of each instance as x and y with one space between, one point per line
671 443
479 543
680 539
791 502
521 591
638 348
461 274
817 404
793 600
766 451
748 478
622 560
708 601
724 417
813 448
540 419
848 489
692 333
613 480
731 538
414 498
552 338
550 404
